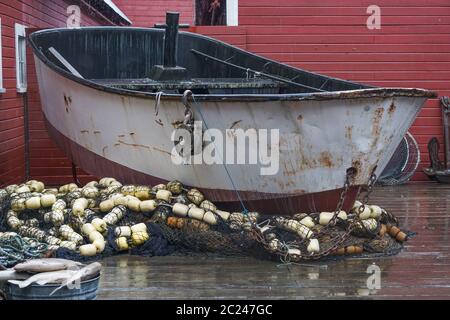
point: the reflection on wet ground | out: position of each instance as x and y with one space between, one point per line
420 271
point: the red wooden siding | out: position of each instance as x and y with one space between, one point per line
47 162
410 50
145 13
330 36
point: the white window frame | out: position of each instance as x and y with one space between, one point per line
21 58
232 13
2 89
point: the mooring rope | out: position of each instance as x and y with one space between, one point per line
197 105
158 101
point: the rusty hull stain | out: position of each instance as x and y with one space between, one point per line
349 132
325 159
376 122
392 108
161 150
357 165
299 191
136 145
132 144
288 172
306 164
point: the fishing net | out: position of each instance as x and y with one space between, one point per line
105 218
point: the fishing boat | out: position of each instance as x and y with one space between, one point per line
112 97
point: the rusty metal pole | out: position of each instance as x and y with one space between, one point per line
445 102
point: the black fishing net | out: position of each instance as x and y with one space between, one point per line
169 232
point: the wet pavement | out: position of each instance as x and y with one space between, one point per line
420 271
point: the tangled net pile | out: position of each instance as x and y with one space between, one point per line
105 218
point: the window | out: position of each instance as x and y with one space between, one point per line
216 12
21 58
2 89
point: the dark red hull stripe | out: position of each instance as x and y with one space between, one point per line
267 203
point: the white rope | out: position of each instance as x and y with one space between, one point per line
157 101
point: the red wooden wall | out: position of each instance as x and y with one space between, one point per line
330 36
412 48
47 162
145 13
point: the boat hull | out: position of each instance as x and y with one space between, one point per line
254 201
109 134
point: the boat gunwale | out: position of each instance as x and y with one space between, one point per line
370 92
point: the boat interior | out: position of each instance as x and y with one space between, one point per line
129 58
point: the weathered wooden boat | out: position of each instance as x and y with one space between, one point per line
99 86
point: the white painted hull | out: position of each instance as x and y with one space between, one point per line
319 140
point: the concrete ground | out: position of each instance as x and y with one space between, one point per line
420 271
